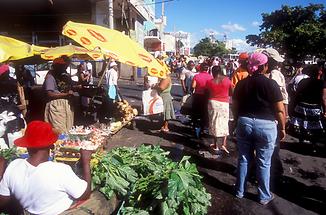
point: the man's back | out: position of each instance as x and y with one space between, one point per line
46 189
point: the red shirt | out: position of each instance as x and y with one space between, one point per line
219 91
201 80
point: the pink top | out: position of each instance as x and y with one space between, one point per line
219 91
201 80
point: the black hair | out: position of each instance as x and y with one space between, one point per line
217 70
311 70
272 64
204 66
190 62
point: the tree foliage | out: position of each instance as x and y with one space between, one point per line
206 47
295 31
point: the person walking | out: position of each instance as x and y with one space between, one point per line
273 72
219 90
165 87
199 104
241 72
257 105
309 115
274 60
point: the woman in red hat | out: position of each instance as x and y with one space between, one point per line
42 186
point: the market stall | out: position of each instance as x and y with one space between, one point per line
141 180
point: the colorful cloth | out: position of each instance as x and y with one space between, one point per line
307 121
238 75
59 114
218 114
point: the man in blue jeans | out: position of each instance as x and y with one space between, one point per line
258 109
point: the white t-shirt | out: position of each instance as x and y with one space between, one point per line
46 189
89 68
112 77
280 80
186 73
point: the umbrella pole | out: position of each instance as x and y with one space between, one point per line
104 68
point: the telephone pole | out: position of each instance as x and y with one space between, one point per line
111 20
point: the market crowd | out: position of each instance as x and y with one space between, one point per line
265 104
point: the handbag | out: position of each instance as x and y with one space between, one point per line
186 105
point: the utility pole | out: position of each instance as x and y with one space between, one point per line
162 27
111 20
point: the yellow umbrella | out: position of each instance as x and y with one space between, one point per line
12 49
115 45
70 50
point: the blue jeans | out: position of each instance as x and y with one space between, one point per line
255 135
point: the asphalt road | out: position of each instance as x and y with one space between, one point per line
300 190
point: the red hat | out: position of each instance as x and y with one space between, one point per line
38 134
243 56
4 68
59 60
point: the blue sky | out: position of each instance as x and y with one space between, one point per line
234 18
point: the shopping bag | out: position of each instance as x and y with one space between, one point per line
152 102
184 99
186 107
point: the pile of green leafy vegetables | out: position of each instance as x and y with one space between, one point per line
9 154
148 182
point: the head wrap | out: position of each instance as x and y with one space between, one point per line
255 60
243 56
59 60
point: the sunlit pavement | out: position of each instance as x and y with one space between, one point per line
301 189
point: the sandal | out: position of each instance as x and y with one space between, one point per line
225 149
215 150
164 130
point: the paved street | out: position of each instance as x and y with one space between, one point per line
301 189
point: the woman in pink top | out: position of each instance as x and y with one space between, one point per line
219 90
199 105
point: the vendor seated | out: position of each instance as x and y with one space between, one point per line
42 186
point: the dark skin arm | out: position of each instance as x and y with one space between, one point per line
164 84
54 95
4 200
193 84
281 118
85 160
183 85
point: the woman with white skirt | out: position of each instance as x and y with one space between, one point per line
219 89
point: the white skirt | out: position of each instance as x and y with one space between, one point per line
218 113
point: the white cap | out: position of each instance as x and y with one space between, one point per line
273 53
113 63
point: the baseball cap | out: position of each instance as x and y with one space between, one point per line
273 53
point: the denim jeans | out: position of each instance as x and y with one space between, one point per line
255 135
